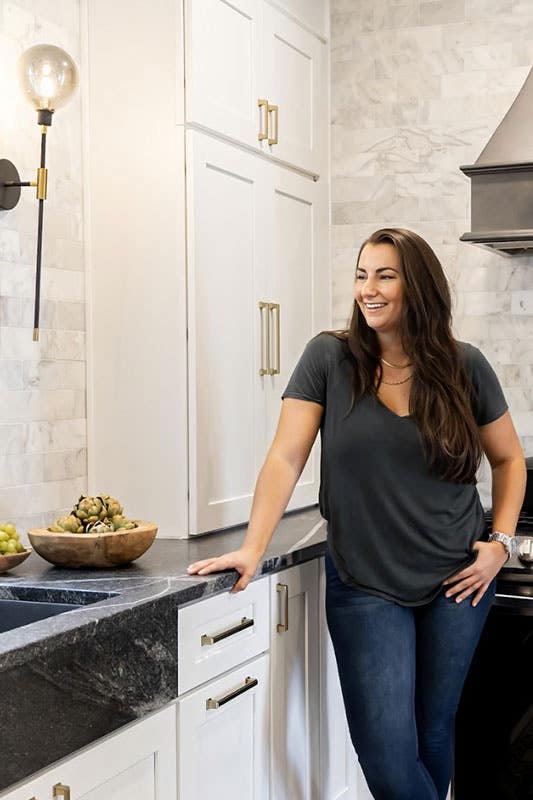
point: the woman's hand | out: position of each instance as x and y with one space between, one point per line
490 559
243 560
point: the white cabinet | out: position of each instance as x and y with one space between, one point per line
223 67
258 289
224 735
257 77
313 14
294 684
295 80
137 763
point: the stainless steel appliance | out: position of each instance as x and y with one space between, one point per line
494 725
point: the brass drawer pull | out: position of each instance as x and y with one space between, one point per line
265 370
273 139
249 683
60 790
283 626
246 622
263 104
275 307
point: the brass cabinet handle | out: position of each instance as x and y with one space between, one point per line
263 370
274 139
284 626
246 622
249 683
263 104
275 307
60 790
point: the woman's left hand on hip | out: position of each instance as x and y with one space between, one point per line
491 556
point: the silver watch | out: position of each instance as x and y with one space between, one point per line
509 542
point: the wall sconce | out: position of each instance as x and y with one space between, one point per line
48 78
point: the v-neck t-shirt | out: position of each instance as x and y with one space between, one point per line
394 529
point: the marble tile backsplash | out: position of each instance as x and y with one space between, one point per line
417 90
43 459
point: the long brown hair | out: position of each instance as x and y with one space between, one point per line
441 392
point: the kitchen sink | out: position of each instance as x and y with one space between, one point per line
29 604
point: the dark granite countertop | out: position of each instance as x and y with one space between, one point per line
75 677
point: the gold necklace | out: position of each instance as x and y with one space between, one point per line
397 383
395 366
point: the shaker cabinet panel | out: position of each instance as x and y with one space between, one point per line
238 54
311 13
136 763
223 66
223 751
226 264
295 79
294 684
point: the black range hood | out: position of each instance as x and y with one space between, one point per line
502 182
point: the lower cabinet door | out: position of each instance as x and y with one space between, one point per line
223 736
137 763
295 711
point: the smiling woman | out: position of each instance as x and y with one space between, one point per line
405 412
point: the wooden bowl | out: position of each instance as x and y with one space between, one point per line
13 560
93 549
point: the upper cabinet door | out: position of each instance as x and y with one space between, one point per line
226 265
311 13
295 83
222 67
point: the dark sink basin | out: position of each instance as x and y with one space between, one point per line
16 613
24 605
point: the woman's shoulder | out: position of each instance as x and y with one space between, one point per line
327 345
470 353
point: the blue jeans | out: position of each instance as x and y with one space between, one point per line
401 672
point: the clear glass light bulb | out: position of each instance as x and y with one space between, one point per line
48 76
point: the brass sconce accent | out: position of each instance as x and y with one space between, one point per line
48 77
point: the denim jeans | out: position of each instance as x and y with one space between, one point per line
401 672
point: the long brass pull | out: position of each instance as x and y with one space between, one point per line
275 307
264 371
246 622
60 790
263 104
249 683
284 626
274 139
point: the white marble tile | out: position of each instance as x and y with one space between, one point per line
48 375
11 376
488 57
480 303
17 470
27 405
62 344
438 12
522 303
61 434
64 465
63 284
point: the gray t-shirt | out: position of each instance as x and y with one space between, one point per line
394 530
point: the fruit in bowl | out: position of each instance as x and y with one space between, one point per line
94 534
12 551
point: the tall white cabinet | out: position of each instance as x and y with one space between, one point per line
224 275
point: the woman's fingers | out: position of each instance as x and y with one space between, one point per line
206 565
479 594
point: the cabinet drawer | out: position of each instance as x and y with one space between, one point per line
217 634
223 735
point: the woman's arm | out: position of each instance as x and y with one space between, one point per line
506 458
298 425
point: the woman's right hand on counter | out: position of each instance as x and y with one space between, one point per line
243 560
